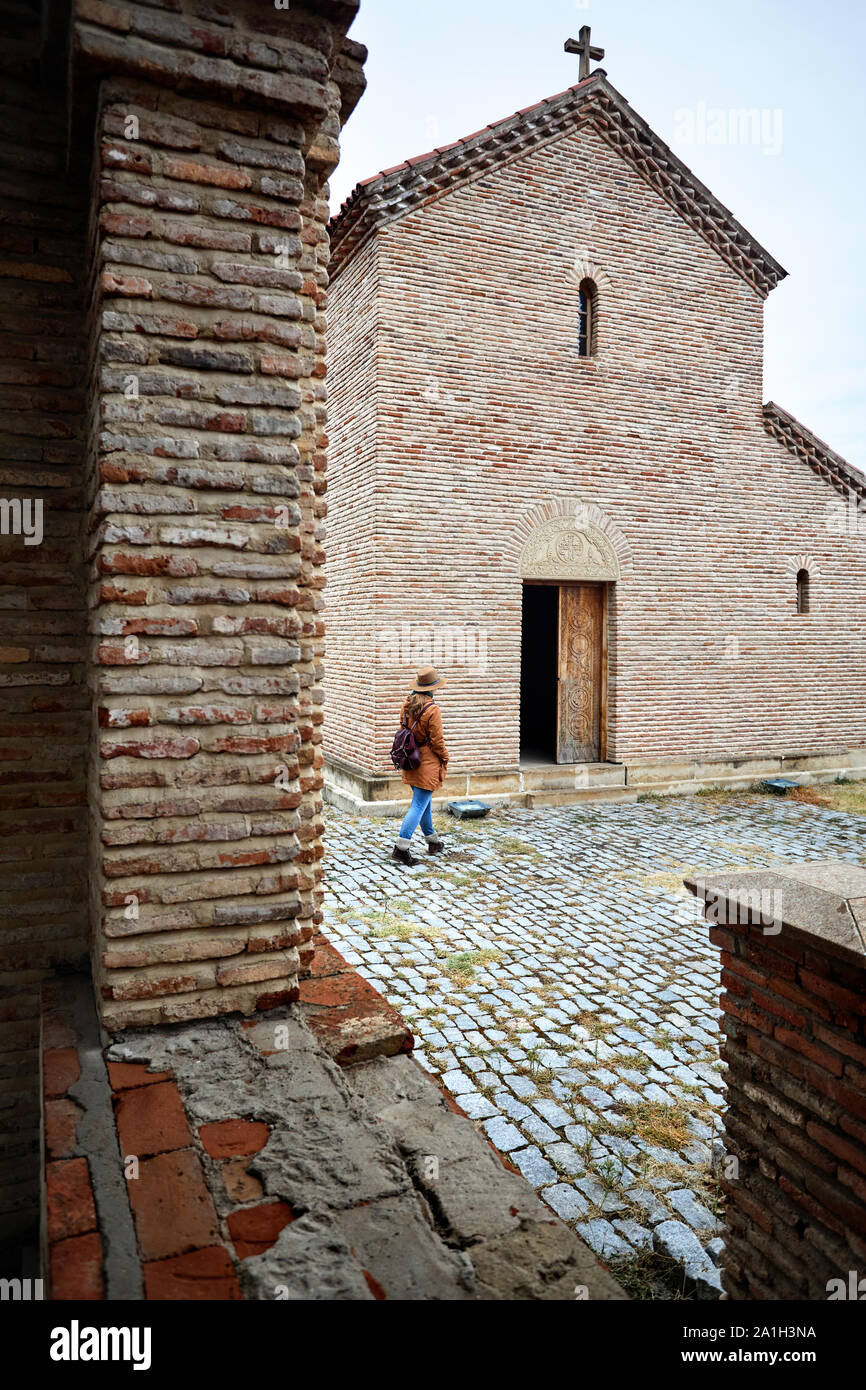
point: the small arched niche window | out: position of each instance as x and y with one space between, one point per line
587 312
802 591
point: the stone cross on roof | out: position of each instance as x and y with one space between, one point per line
586 50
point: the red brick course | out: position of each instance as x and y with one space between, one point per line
60 1070
349 1017
228 1138
172 1207
151 1120
75 1268
254 1229
124 1075
69 1199
60 1118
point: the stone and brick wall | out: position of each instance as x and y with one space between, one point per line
163 272
43 689
793 957
483 413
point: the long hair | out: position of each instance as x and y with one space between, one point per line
414 705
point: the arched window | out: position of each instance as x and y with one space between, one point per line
802 591
587 306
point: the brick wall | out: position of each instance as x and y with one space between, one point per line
483 411
794 1001
356 514
205 492
43 694
162 397
162 285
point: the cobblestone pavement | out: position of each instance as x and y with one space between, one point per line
560 981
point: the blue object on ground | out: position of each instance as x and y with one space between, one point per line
467 810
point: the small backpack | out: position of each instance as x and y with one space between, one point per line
404 749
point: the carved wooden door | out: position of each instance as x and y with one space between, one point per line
581 673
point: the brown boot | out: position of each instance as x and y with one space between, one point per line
435 847
402 856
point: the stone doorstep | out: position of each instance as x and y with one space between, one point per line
349 1017
176 1225
260 1170
106 1235
529 786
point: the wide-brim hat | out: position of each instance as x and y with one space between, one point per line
428 680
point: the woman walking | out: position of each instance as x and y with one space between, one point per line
421 714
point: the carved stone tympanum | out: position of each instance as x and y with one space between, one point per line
567 547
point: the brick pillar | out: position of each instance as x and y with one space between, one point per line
207 481
793 943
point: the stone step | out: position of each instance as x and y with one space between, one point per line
566 796
557 776
517 1246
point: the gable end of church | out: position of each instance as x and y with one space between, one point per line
594 102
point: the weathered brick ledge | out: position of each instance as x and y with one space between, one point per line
349 1017
233 1159
793 942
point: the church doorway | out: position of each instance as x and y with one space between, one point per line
562 673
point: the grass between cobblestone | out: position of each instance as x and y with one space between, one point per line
650 1275
560 982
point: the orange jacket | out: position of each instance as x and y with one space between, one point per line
430 773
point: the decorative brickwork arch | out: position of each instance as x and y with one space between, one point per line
585 268
570 541
804 570
803 562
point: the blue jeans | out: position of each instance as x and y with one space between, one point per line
420 810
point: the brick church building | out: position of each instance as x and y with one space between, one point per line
553 474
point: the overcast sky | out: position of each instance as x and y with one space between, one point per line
440 69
